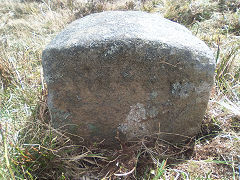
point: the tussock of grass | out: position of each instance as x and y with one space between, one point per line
31 149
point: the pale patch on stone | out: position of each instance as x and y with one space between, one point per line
111 50
182 90
153 112
133 125
153 95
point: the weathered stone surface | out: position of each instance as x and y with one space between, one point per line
129 72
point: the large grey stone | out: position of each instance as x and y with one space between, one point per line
129 72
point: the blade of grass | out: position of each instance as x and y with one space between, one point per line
6 152
160 170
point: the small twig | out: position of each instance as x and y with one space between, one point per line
11 59
42 79
125 174
179 171
173 65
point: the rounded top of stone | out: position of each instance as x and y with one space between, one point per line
112 26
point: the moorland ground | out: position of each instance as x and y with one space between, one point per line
31 149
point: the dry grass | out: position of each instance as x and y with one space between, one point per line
31 149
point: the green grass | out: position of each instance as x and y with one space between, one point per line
31 149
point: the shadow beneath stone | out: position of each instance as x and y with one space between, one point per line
209 130
162 153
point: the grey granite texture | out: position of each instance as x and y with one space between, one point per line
130 73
